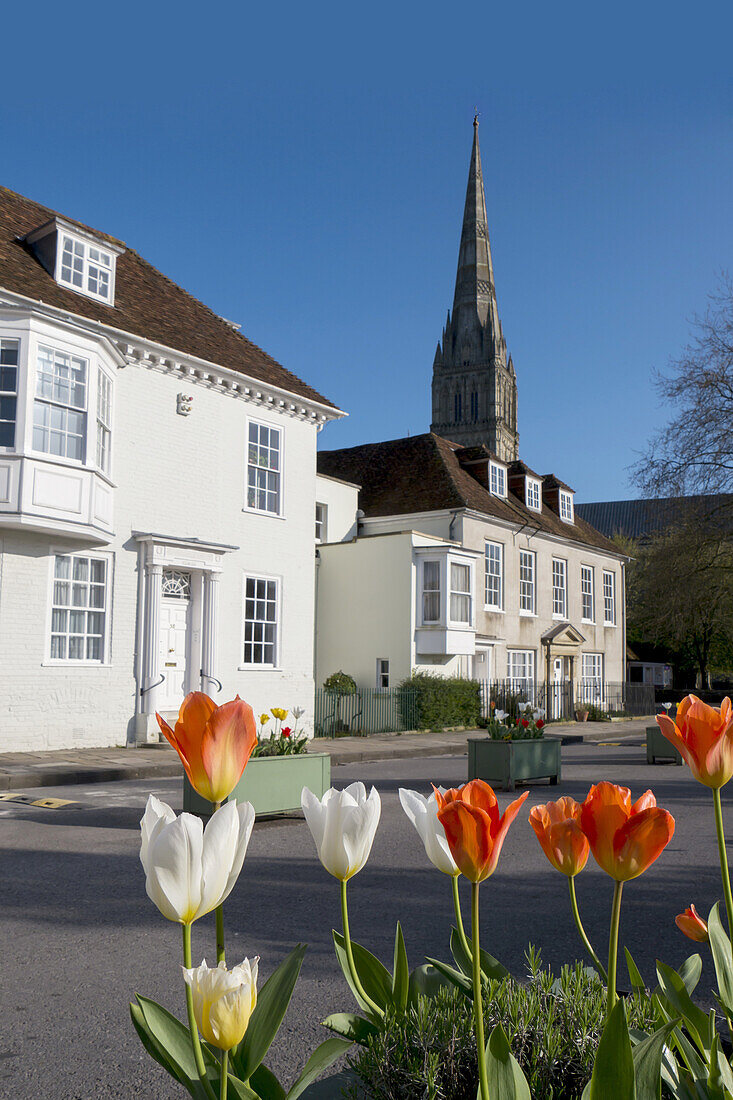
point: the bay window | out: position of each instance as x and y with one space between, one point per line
431 592
59 409
460 593
8 391
104 420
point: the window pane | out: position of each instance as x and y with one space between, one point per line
263 472
78 634
260 621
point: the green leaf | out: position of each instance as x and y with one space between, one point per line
321 1058
637 982
374 976
272 1003
715 1080
491 968
721 949
238 1089
675 992
454 976
647 1057
350 1026
265 1084
425 981
690 972
153 1047
401 971
173 1036
613 1071
506 1080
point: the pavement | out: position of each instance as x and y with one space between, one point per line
64 766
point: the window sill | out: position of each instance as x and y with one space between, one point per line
259 512
259 668
590 622
558 617
494 610
610 624
528 614
50 663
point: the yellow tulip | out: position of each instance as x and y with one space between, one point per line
223 1000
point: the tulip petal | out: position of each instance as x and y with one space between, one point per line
640 842
174 880
423 813
246 814
468 832
229 736
500 834
156 815
315 817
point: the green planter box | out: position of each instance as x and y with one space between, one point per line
505 763
271 783
659 748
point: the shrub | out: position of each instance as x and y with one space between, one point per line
554 1025
439 701
597 714
340 683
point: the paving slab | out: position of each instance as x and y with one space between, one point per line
107 765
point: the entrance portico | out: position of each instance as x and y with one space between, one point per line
562 644
177 624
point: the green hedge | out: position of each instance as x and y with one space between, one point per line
441 701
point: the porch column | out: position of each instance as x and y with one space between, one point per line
209 633
151 663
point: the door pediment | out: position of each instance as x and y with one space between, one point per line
563 638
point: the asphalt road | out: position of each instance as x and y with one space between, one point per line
79 935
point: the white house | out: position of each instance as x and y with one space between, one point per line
157 492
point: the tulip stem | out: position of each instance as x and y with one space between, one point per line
581 931
459 919
723 858
198 1056
613 945
350 955
224 1074
478 1008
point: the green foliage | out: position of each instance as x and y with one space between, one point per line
554 1026
441 701
597 714
280 745
340 683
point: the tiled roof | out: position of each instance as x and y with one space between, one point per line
638 519
422 474
147 303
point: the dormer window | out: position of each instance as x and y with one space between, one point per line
566 506
86 268
497 479
533 494
77 259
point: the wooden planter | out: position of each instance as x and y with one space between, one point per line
505 763
271 783
659 748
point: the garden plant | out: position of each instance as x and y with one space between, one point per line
551 1039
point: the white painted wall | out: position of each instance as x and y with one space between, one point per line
177 476
342 501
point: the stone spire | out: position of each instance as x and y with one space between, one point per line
474 387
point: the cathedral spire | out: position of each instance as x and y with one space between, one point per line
474 390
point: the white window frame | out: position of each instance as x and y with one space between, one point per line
266 666
460 593
528 557
52 402
431 591
524 684
533 493
382 680
259 424
567 512
490 605
559 588
587 591
609 597
591 682
78 662
321 521
9 344
105 412
497 479
88 266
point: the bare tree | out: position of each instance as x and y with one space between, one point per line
694 454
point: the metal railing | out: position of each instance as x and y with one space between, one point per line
368 711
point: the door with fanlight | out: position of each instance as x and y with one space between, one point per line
175 607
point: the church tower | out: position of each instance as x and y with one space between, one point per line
474 384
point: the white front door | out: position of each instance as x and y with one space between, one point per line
482 664
174 611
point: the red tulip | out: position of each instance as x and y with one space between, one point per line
525 723
214 743
286 731
557 827
624 839
692 924
474 828
704 737
539 723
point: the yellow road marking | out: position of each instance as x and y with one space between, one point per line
609 744
28 800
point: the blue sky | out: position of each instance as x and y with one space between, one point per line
302 170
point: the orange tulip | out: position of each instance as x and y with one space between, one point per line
704 737
692 924
624 839
557 826
214 743
474 828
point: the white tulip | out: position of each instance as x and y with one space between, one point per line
500 715
223 1000
343 824
423 813
190 870
539 713
297 712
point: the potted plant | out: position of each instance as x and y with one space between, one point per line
581 714
657 745
339 684
514 749
278 769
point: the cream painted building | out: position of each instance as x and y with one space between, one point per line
157 491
